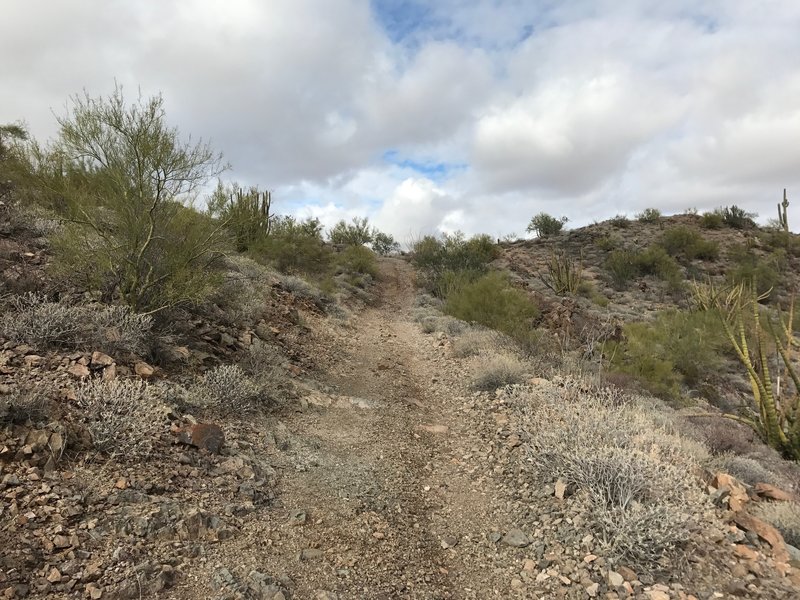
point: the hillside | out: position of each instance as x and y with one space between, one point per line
354 455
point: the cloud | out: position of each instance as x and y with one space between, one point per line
433 116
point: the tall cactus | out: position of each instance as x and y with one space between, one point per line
782 209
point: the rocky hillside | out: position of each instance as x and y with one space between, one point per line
276 441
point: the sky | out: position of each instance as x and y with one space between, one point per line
440 116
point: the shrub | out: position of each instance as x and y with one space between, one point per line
123 416
227 387
130 226
688 244
449 262
356 233
623 266
40 323
676 348
493 302
608 242
384 244
564 274
544 225
712 220
638 492
749 268
358 259
496 372
785 517
655 261
480 341
303 289
295 247
24 405
620 222
737 218
649 215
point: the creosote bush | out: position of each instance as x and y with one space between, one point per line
448 262
123 416
649 215
686 243
493 302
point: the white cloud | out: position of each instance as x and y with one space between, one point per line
585 108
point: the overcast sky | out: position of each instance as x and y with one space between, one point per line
446 115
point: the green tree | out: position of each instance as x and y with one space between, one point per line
544 225
384 244
124 181
356 233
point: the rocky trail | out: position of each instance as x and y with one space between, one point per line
382 476
379 493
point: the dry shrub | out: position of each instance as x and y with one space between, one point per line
24 405
480 341
785 517
124 416
40 323
227 387
303 289
498 371
635 472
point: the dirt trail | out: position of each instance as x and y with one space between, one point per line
379 499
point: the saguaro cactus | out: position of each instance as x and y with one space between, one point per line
782 208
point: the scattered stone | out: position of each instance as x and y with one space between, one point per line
657 595
143 370
592 590
494 537
326 595
79 371
311 554
615 579
562 489
766 490
746 552
449 541
54 576
298 517
101 360
93 591
628 574
516 538
205 436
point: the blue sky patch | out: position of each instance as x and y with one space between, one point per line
431 169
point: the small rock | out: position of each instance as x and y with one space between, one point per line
562 490
205 436
628 574
100 360
592 590
309 554
529 565
516 538
54 576
743 551
93 591
657 595
326 595
32 360
494 537
79 371
143 370
615 579
110 373
449 541
298 517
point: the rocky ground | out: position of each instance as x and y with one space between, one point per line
382 475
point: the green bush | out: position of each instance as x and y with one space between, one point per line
620 221
712 220
649 215
655 261
384 244
737 218
245 214
607 243
358 259
122 177
441 261
687 243
493 302
676 348
356 233
749 268
623 266
544 225
295 247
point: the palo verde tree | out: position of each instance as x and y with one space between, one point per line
123 180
